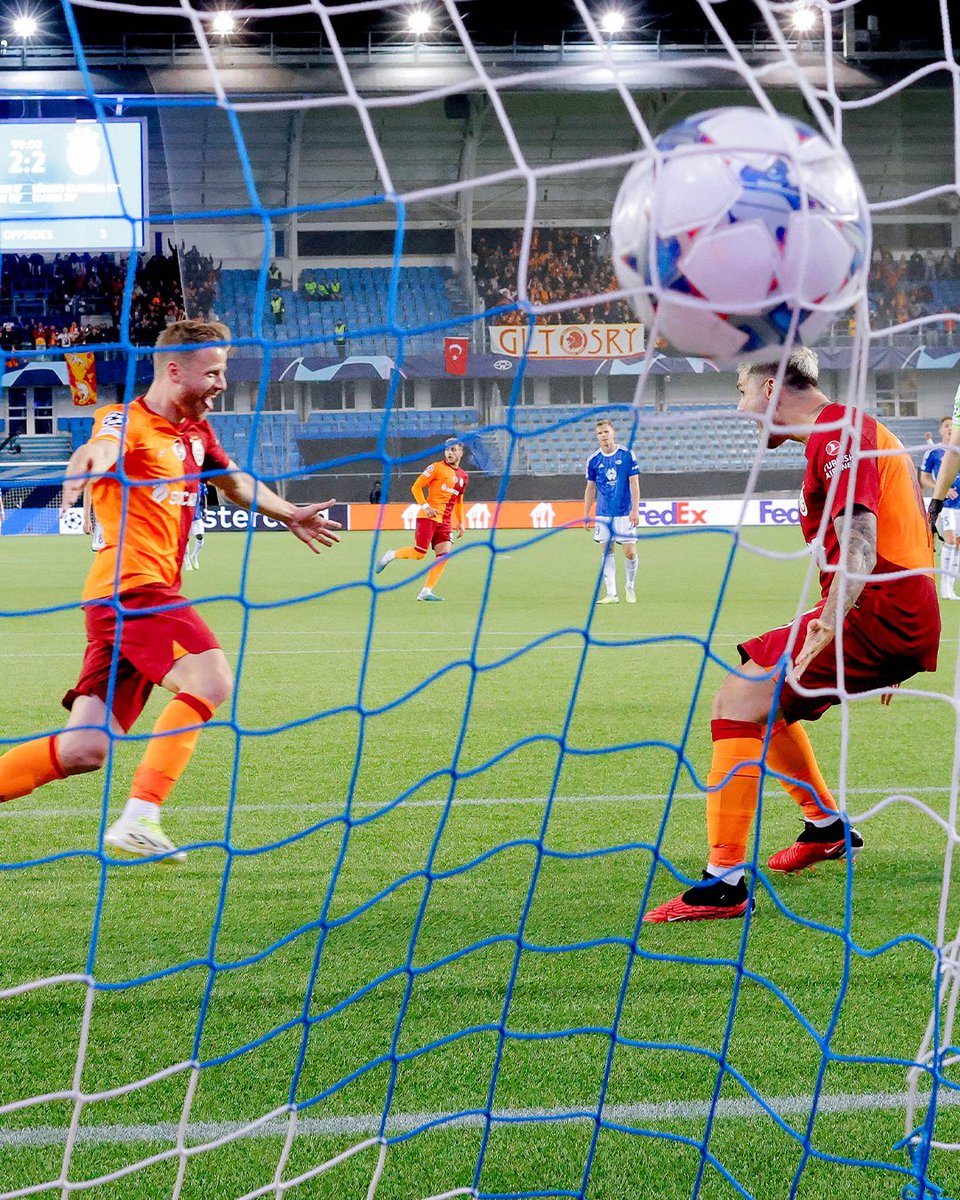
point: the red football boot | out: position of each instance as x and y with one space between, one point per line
816 845
715 900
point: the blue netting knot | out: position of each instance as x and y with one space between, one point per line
921 1188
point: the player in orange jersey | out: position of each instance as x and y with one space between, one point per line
143 462
439 492
862 514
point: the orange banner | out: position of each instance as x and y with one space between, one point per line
483 514
82 369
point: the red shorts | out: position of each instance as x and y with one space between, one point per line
891 633
429 534
149 646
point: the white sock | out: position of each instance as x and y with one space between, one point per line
947 574
632 564
134 809
610 574
953 564
823 822
729 876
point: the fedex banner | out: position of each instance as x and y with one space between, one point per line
567 341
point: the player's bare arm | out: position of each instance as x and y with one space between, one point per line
92 458
305 521
589 498
857 535
634 500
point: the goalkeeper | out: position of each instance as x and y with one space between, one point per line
862 513
145 460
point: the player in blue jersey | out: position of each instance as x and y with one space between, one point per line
191 559
613 481
949 524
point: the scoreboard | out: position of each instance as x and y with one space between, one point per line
72 185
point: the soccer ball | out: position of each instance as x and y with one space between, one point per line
738 222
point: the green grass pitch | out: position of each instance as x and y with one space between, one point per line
604 719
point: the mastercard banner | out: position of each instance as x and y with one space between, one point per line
82 370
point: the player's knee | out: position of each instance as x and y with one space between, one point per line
218 686
741 698
82 750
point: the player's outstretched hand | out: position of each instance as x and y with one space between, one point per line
819 636
934 509
82 462
312 528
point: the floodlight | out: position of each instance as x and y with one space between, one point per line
418 21
224 23
25 26
613 22
804 19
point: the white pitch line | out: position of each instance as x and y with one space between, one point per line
637 1115
8 812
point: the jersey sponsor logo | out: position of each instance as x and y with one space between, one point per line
198 451
163 493
837 464
832 449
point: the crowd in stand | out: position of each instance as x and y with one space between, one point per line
902 289
563 264
77 299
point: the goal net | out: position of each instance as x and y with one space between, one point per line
406 955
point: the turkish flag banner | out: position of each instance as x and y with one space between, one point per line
456 350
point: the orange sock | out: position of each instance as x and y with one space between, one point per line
436 571
166 757
791 754
25 768
409 552
732 806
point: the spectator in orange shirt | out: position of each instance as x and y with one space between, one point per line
143 464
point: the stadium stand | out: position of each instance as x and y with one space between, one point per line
425 298
552 440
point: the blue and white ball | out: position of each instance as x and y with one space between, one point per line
735 223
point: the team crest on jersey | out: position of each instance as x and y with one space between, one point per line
180 451
198 453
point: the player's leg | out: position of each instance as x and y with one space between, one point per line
741 708
177 650
630 562
422 537
603 536
949 554
441 549
73 751
197 547
823 838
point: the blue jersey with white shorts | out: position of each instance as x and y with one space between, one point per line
931 464
611 474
